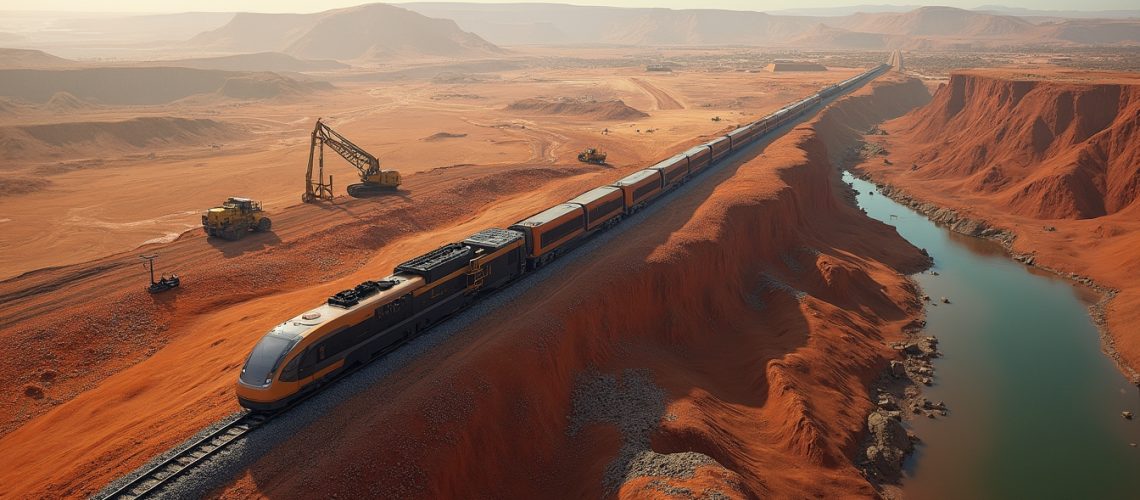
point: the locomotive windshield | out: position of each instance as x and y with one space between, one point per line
265 359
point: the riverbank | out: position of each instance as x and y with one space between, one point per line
1036 195
1038 410
953 220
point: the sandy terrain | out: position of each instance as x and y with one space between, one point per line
168 362
734 386
259 148
1048 155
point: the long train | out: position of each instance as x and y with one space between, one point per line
375 317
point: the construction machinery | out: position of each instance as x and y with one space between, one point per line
373 181
235 218
163 284
592 155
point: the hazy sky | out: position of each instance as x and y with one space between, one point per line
315 6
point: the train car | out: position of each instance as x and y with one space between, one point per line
375 317
551 232
699 158
499 258
779 118
720 147
604 206
674 171
639 188
741 137
763 126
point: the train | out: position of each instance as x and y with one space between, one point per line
375 317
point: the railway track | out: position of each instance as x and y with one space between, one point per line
166 471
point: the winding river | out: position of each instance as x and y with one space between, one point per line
1035 406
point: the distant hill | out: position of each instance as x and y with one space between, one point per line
841 11
366 32
31 59
865 27
167 27
262 61
585 25
823 35
1094 32
1060 14
937 21
143 86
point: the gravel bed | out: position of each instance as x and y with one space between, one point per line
223 467
636 406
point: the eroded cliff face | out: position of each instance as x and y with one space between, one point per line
1042 149
1048 167
724 343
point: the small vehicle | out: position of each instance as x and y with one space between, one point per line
163 284
235 218
592 155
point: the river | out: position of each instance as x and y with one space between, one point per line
1035 405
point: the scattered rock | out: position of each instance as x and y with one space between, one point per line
636 406
34 392
898 369
1127 415
890 444
945 300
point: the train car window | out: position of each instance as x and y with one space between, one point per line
308 361
644 190
606 208
266 357
289 373
562 230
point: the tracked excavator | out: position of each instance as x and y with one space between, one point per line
373 181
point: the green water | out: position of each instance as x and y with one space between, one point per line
1034 403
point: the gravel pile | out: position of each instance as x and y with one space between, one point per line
636 406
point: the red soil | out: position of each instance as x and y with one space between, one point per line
771 387
1052 156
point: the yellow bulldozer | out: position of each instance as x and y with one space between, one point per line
592 155
235 218
373 181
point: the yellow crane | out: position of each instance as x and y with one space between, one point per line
373 181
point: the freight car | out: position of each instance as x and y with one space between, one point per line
359 324
674 171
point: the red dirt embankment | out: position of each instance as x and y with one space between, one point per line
1040 149
1053 157
722 344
